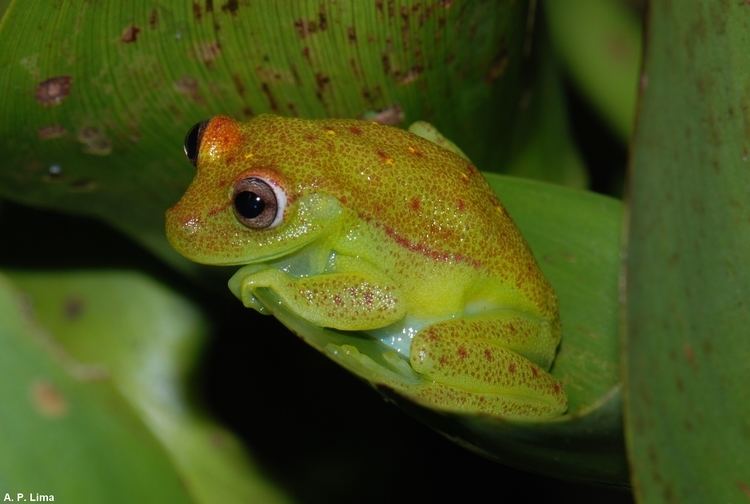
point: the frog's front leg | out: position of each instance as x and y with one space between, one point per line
478 364
341 300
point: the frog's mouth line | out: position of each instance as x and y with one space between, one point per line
260 259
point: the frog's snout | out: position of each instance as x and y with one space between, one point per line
181 226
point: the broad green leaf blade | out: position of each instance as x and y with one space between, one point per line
98 97
688 281
600 43
575 235
73 438
145 339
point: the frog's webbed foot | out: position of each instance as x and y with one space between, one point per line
475 365
345 300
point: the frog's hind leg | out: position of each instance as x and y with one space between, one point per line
476 365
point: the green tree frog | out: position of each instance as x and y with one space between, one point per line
364 228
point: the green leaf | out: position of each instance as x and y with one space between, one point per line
575 236
543 147
68 437
600 43
97 98
144 339
688 281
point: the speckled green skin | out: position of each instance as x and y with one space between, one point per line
383 231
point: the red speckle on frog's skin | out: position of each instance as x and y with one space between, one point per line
415 203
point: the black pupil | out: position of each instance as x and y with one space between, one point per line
192 141
249 204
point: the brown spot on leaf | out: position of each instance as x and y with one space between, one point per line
619 48
301 27
130 34
497 67
744 487
689 353
415 203
53 91
83 185
412 75
269 96
218 440
197 12
153 18
321 81
322 20
351 34
73 308
187 86
47 399
238 85
231 7
208 52
95 141
50 132
385 59
306 28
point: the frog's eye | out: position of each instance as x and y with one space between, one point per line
258 203
193 141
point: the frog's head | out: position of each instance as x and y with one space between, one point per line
248 202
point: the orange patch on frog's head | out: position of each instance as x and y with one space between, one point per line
207 225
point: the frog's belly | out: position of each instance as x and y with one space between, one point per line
430 296
398 336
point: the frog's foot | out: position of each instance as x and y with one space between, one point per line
430 132
469 371
347 301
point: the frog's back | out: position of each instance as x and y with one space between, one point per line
426 199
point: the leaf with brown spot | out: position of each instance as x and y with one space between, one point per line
142 339
144 75
46 408
687 277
